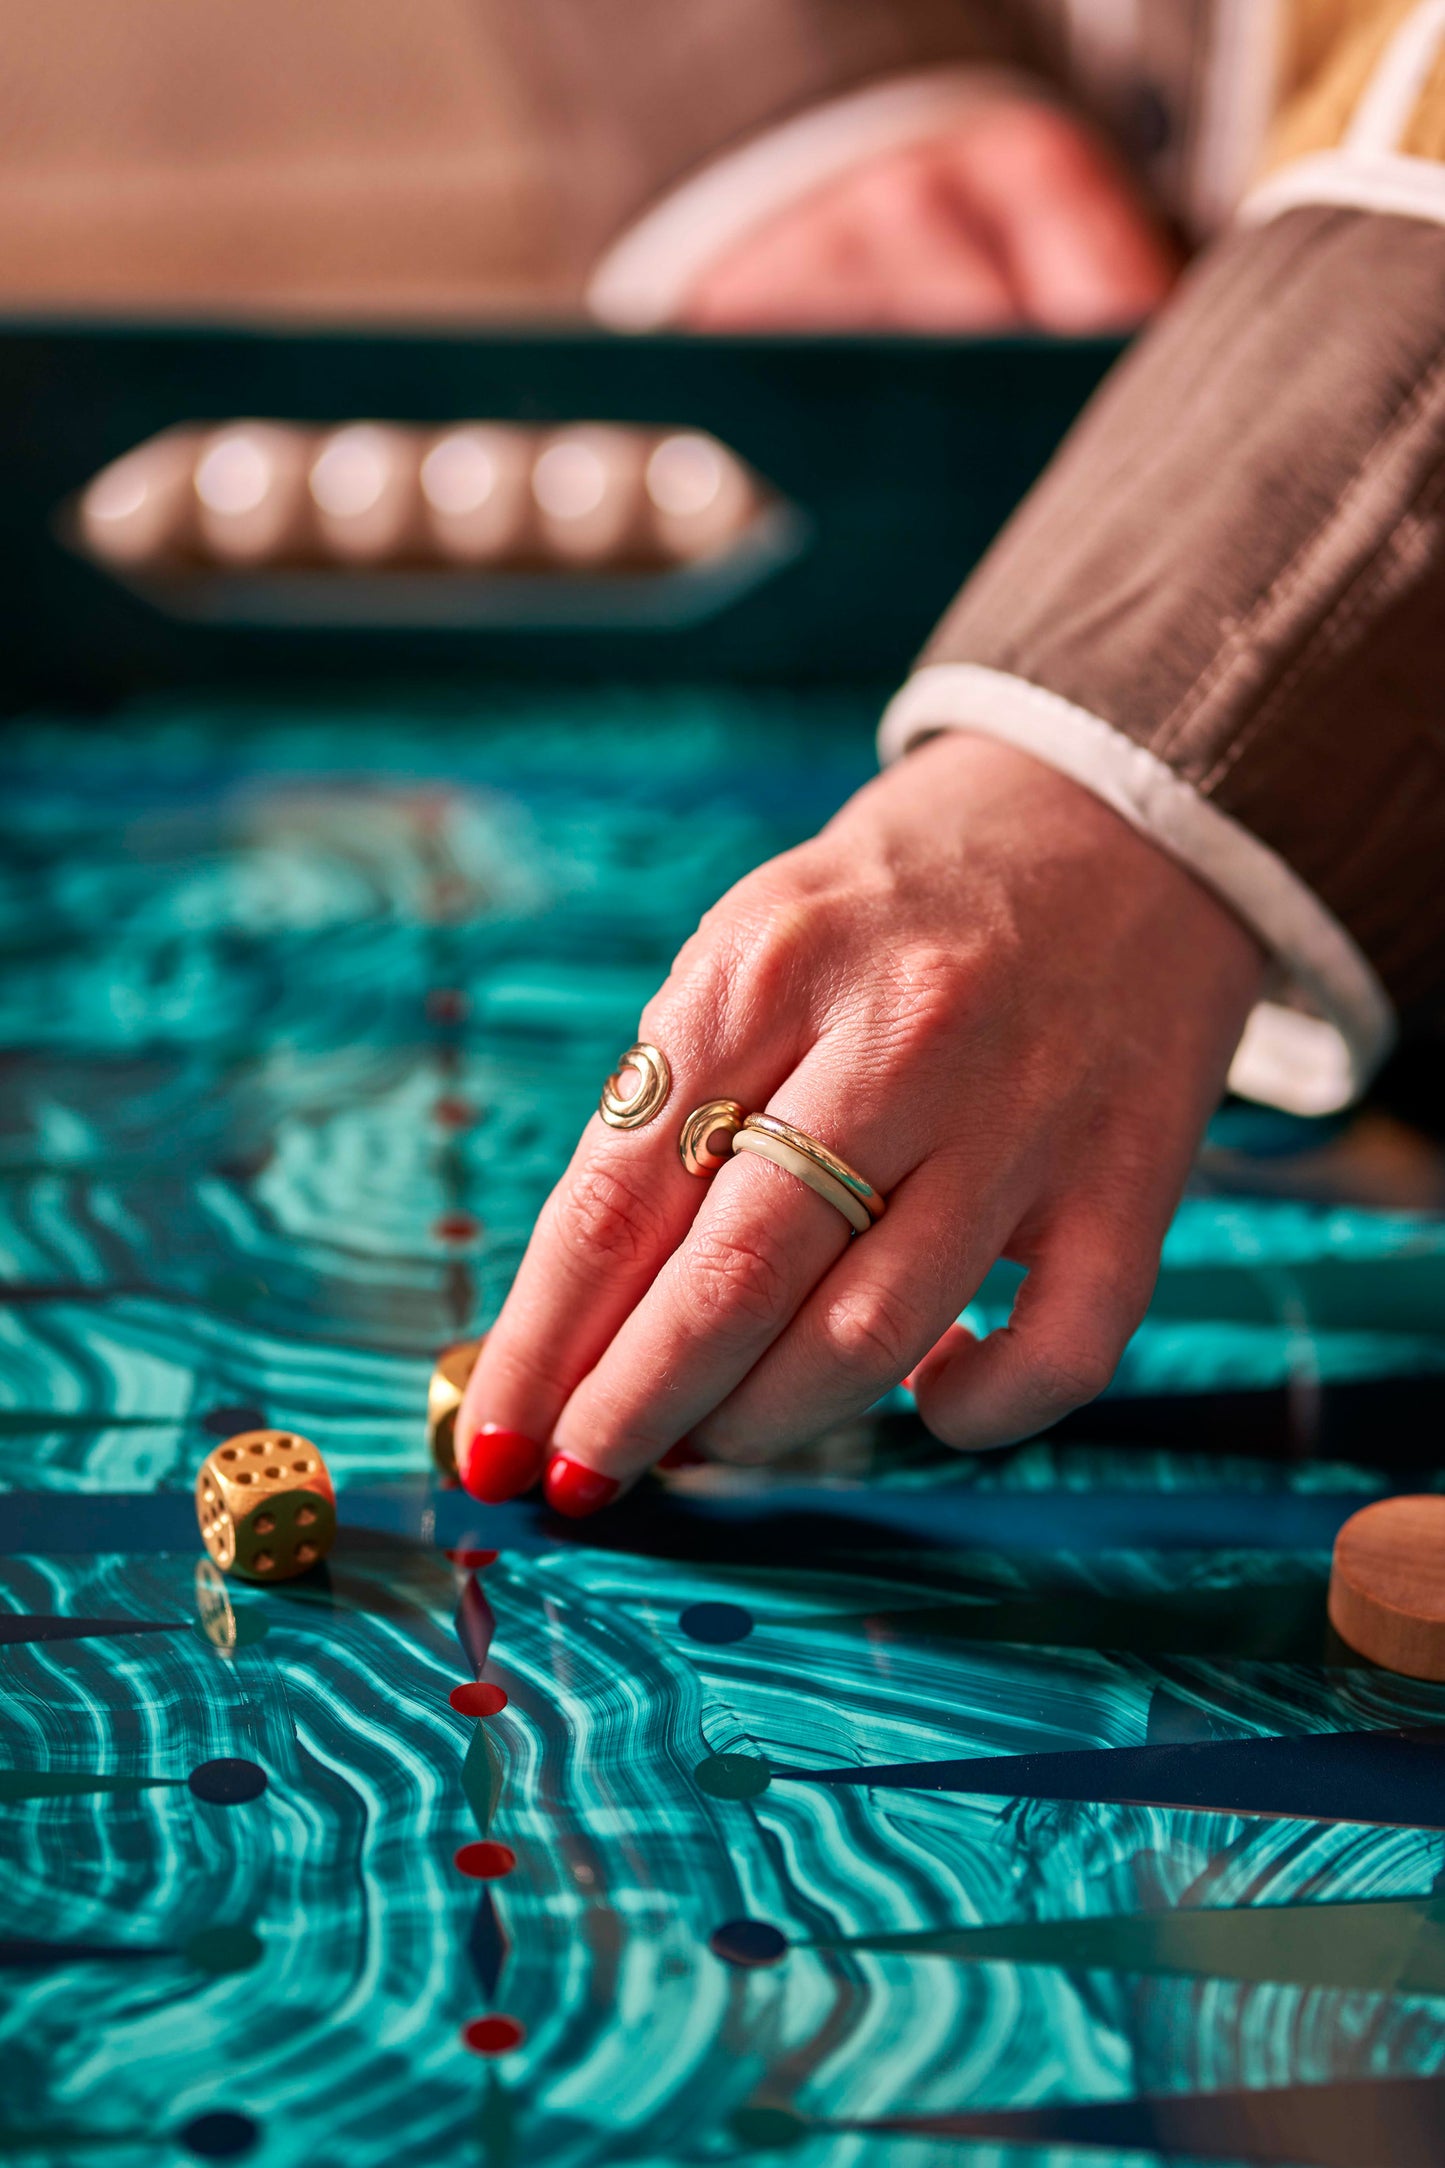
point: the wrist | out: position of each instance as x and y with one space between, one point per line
1085 888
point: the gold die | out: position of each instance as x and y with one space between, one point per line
454 1367
266 1506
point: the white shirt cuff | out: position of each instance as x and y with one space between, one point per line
645 277
1309 1059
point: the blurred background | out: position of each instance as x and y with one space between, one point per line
348 334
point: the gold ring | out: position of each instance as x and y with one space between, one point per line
861 1191
651 1095
783 1155
694 1144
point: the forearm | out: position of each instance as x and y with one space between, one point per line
1221 607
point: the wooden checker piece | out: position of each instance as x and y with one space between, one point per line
1387 1585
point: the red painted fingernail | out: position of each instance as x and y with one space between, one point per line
499 1464
578 1491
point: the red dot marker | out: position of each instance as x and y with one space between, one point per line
446 1005
471 1561
450 1113
477 1698
494 2035
485 1862
456 1227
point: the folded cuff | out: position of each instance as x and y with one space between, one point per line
1309 1058
646 276
1358 180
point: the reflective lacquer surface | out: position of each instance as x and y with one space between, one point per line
882 1807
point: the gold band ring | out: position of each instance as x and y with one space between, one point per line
714 1117
870 1201
762 1146
650 1096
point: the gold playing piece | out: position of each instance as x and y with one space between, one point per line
454 1367
266 1506
1387 1585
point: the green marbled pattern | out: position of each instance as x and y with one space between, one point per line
343 2041
221 1182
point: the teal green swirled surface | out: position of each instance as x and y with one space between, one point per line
342 2038
884 1810
301 1011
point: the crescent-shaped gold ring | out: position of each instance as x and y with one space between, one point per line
648 1100
714 1118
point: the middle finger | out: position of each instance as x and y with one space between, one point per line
760 1243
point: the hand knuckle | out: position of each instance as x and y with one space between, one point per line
781 922
732 974
687 1013
737 1277
871 1332
927 998
605 1214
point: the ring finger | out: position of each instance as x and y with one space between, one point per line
877 1316
759 1244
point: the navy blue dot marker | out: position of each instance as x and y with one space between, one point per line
230 1422
222 1950
769 2130
221 2135
748 1943
733 1776
716 1623
228 1782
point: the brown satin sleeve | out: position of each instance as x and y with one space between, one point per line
1238 562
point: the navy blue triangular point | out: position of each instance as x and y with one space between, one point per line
1389 1779
27 1953
487 1946
1355 2123
16 1626
475 1622
1389 1945
1261 1621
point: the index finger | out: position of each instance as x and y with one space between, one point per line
618 1213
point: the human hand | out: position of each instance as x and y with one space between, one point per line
984 990
1019 215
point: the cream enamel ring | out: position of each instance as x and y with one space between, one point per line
829 1177
858 1187
650 1096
